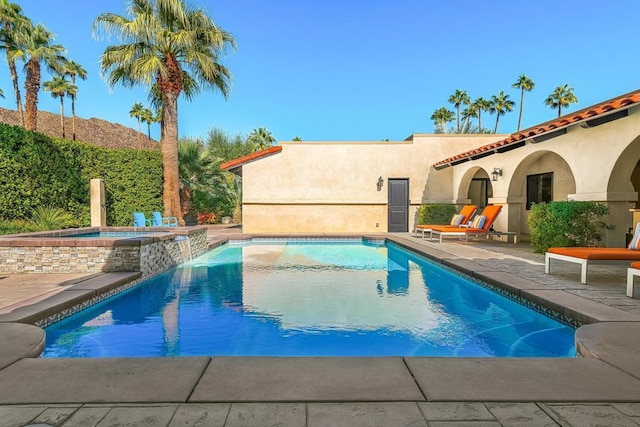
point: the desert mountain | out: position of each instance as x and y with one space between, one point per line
94 131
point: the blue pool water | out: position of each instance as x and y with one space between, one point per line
309 299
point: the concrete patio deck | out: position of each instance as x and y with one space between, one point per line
600 389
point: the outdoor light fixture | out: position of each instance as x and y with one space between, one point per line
495 174
379 184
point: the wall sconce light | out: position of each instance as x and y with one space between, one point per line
495 174
379 184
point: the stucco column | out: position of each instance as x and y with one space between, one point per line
619 214
619 204
98 203
511 214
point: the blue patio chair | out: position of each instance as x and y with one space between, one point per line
139 220
164 221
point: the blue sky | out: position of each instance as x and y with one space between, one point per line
368 70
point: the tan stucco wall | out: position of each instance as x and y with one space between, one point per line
331 186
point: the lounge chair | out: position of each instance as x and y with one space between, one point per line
462 217
480 226
139 220
164 221
632 271
587 256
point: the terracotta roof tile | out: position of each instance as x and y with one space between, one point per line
588 113
240 161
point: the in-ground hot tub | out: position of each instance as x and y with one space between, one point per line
149 250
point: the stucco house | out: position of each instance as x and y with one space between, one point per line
310 186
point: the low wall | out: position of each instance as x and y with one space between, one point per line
54 253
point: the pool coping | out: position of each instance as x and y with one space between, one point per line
608 371
62 238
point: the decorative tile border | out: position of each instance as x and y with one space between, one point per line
49 320
564 319
539 308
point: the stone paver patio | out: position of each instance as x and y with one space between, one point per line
602 389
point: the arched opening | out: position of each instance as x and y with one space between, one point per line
480 189
625 181
475 186
542 176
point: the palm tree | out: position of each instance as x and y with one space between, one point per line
229 191
166 43
261 139
441 117
34 45
11 21
136 112
59 87
73 69
467 114
197 171
500 104
562 96
149 118
523 83
457 99
482 105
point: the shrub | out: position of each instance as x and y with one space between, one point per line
36 170
207 218
51 218
15 227
566 224
436 213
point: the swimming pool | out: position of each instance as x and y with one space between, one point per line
297 298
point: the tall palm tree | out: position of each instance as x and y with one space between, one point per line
482 105
458 98
261 139
440 118
562 96
523 83
166 43
148 117
11 21
467 114
59 87
73 69
136 112
500 104
34 46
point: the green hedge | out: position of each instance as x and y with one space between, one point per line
37 170
567 224
436 213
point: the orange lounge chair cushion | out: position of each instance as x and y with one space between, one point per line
466 211
490 212
466 230
635 265
613 254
